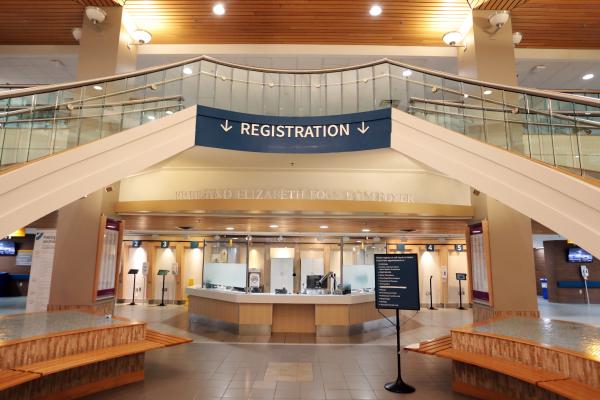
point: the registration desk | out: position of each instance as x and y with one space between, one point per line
266 313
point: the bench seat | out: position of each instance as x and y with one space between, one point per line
164 339
432 346
571 389
10 378
91 357
511 368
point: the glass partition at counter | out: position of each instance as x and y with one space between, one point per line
225 266
359 266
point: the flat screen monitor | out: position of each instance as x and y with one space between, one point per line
312 281
7 248
578 255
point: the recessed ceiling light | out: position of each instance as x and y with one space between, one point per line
168 112
487 92
219 9
324 226
230 228
587 77
375 10
366 230
273 226
187 71
407 72
97 87
151 117
465 95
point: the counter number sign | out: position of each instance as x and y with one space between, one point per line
459 247
397 281
164 244
136 243
429 247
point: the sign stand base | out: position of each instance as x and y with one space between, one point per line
399 386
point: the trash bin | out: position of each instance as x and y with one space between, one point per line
4 279
544 285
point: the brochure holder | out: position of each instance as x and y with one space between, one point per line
163 273
133 272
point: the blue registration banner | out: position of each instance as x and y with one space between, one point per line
268 134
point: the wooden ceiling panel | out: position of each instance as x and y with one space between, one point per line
544 23
559 24
416 22
245 224
495 4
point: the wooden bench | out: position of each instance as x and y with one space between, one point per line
551 381
432 346
571 389
164 339
91 357
10 378
511 368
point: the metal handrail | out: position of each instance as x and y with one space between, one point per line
444 75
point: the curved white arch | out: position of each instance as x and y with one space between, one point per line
564 203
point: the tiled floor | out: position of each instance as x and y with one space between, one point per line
222 365
209 371
12 305
419 326
584 313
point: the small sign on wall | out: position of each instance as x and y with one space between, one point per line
24 257
164 244
429 247
459 247
136 243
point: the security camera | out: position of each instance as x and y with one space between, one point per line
499 18
95 14
517 37
76 33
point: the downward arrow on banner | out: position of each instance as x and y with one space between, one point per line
363 129
226 127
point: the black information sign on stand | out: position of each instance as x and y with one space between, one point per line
397 287
163 273
133 272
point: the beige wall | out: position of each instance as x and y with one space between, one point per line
424 186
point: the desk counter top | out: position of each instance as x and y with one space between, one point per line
270 298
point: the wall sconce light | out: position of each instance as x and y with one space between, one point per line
141 36
453 38
499 18
95 14
76 32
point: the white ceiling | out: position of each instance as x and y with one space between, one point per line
37 70
50 68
